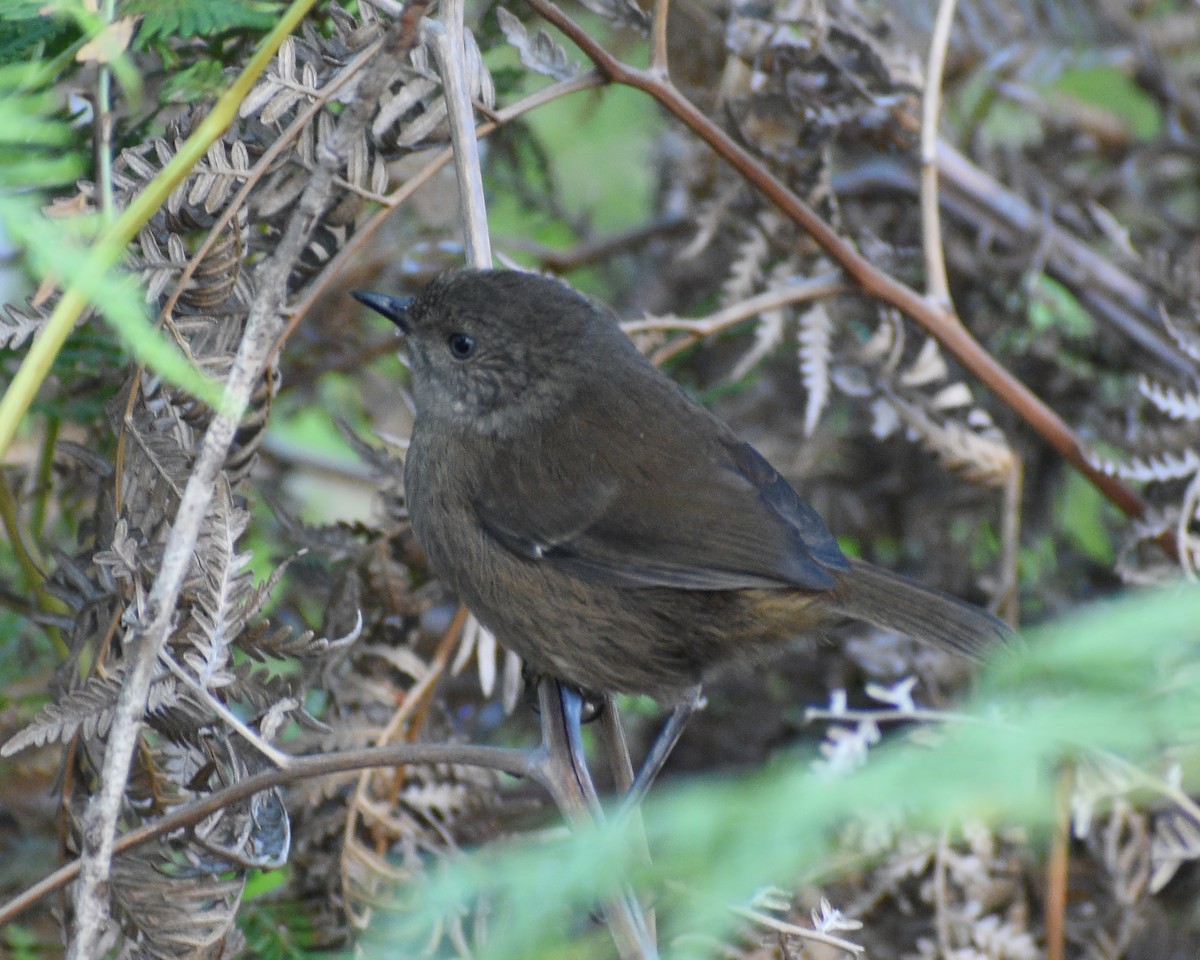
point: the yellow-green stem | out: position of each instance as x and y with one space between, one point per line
29 562
110 246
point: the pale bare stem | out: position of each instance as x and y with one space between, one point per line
658 39
941 909
937 286
814 288
449 51
146 642
104 125
1010 541
813 714
568 781
793 930
1183 528
276 756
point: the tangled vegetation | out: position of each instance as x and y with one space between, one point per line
938 262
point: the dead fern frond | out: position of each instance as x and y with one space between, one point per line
815 339
1174 842
1174 403
171 910
86 711
539 52
1166 467
17 325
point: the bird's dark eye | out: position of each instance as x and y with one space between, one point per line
462 345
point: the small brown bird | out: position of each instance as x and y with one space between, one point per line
601 523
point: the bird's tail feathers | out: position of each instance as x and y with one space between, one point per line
892 602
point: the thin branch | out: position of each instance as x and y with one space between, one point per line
941 905
794 930
146 643
519 763
658 39
937 285
1058 867
447 41
276 756
939 322
814 288
616 749
43 480
566 776
1008 594
104 125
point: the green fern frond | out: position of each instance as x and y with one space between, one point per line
197 18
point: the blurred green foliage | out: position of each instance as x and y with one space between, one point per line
1122 677
1084 517
1054 308
197 18
1112 91
575 194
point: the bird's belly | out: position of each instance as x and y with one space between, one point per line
601 638
606 639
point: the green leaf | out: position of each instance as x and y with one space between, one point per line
1081 511
51 250
1123 677
38 146
197 82
197 18
1114 92
25 32
1052 307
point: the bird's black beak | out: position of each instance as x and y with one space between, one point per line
394 308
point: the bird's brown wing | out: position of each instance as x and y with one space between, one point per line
693 510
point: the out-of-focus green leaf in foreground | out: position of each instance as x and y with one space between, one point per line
1123 677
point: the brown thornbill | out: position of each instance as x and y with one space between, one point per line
602 524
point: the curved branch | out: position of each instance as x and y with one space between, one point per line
520 763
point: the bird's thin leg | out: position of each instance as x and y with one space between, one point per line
663 744
566 776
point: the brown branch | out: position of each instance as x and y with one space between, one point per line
1057 871
937 321
520 763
